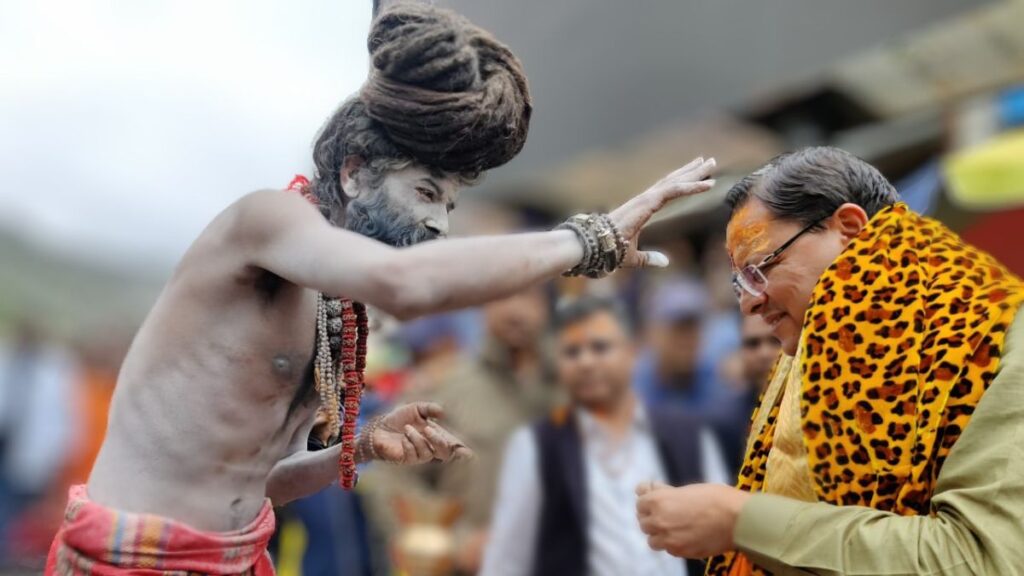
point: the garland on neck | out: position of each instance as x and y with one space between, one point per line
340 364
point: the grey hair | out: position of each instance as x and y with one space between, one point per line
808 185
369 175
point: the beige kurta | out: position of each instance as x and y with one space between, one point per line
786 472
977 523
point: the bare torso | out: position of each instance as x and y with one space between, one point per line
206 402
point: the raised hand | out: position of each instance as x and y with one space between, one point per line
631 217
410 434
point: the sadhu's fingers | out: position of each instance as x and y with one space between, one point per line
442 444
645 259
684 182
651 259
690 165
408 450
655 195
428 410
424 451
454 448
688 189
693 172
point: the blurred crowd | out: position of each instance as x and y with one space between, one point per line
54 396
572 392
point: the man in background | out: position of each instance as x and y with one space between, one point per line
486 397
565 501
759 351
677 369
751 367
670 368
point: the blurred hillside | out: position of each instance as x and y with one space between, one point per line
66 295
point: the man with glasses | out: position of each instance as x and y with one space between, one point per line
888 438
565 502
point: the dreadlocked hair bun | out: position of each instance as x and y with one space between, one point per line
444 90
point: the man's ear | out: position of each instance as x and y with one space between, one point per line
347 176
849 219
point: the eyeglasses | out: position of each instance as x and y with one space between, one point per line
751 278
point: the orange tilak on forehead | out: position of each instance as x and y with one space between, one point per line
743 237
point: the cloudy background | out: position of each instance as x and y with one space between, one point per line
126 126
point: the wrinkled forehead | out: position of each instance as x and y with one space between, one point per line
747 232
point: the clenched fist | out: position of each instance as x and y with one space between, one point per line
695 521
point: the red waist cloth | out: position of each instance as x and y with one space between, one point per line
99 541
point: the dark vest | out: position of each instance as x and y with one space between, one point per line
561 548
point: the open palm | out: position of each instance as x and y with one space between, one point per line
631 217
410 434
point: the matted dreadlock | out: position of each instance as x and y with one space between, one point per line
441 92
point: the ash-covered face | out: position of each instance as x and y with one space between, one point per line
402 207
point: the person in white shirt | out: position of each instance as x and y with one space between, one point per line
566 500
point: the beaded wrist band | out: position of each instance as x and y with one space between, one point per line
365 450
588 242
619 238
604 247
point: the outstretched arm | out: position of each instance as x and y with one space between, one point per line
282 233
408 434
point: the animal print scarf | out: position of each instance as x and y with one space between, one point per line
902 338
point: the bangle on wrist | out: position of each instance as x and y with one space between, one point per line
365 450
604 247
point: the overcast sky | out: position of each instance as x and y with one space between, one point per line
126 126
